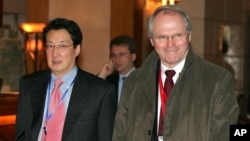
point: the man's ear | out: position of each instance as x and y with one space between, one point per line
152 42
77 50
133 57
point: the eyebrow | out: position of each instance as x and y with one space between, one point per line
64 41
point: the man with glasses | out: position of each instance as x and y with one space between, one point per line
121 64
64 102
193 101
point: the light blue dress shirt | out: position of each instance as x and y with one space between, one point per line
66 88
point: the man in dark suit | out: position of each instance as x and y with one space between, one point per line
121 64
88 101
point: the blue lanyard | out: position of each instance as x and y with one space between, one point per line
49 115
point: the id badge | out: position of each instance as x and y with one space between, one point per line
160 138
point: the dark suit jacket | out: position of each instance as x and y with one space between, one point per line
90 114
114 79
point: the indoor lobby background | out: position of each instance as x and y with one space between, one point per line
221 34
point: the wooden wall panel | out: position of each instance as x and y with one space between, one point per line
37 10
122 16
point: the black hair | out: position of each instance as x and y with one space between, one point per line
69 25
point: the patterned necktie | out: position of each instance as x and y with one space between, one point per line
168 85
56 115
169 81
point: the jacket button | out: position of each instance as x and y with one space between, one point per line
149 132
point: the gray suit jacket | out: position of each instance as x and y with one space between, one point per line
90 114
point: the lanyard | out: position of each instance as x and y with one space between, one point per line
163 94
49 115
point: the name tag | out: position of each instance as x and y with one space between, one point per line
160 138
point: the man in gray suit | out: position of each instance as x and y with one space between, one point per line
89 101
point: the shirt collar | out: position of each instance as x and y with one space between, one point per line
68 78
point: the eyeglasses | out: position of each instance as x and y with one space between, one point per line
60 47
121 54
175 37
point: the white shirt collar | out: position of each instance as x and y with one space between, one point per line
178 68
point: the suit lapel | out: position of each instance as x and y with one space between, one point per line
149 90
149 84
114 79
76 104
37 99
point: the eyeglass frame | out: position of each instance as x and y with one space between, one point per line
121 54
175 37
59 47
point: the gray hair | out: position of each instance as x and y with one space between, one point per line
169 8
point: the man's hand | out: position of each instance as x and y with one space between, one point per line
106 70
